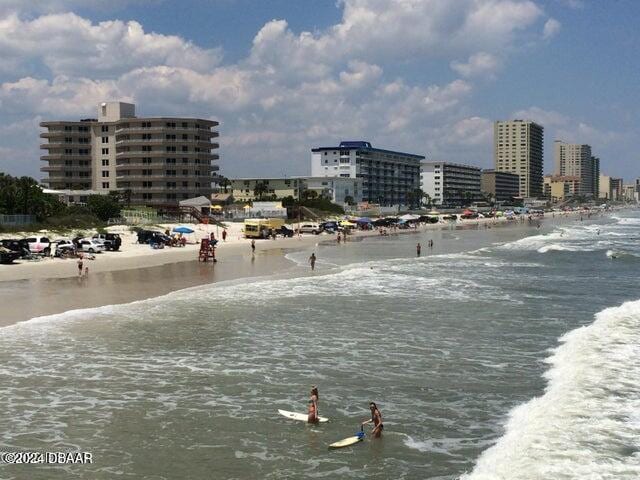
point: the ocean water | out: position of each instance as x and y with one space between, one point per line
491 357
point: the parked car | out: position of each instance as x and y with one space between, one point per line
39 245
310 228
284 231
111 241
90 245
64 247
8 256
331 227
153 237
21 246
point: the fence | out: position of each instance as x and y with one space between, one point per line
14 220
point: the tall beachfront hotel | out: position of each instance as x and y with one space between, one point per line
387 176
576 160
160 160
517 148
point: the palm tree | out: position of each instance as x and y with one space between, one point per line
260 189
427 199
224 182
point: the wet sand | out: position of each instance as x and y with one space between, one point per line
29 298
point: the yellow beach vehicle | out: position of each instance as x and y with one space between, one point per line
261 227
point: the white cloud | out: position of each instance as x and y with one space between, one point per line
71 45
551 28
478 64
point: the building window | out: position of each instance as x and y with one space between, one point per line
105 162
105 128
185 160
105 184
171 173
184 148
147 184
146 148
171 125
105 173
105 151
68 151
170 161
105 139
185 124
185 172
171 149
146 196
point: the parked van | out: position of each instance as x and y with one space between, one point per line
261 227
308 227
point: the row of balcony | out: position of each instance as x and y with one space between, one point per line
138 128
159 153
144 141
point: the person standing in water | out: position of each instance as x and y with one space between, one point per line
313 405
312 261
80 265
376 419
418 249
253 247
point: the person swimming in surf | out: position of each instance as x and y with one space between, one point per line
313 405
376 419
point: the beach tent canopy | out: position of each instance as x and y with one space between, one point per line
434 212
364 220
346 223
216 207
200 201
182 230
408 217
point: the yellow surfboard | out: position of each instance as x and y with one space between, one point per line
348 441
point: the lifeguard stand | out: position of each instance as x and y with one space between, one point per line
207 251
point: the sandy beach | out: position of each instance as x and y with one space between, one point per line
50 286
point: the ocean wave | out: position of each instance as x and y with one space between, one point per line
586 425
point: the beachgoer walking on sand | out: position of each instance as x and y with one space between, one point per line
80 265
313 405
376 419
86 271
338 237
224 235
253 247
312 261
418 249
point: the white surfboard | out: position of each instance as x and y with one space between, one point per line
302 417
347 441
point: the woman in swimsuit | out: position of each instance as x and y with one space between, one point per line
313 405
376 419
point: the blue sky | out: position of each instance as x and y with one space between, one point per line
424 76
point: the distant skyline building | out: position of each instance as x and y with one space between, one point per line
449 183
160 160
502 186
559 188
387 176
518 148
575 160
617 189
604 187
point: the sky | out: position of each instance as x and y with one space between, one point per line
283 76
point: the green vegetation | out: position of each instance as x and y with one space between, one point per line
23 196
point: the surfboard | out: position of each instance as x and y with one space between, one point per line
302 417
347 441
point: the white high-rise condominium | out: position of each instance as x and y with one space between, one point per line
575 160
155 160
517 148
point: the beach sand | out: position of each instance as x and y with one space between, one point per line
51 286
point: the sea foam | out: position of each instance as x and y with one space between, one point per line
587 423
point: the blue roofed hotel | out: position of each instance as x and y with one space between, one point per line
387 176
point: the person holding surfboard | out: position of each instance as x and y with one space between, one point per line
313 406
376 419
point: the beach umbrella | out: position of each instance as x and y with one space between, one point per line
346 223
434 212
182 230
363 220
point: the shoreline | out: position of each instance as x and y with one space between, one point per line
46 289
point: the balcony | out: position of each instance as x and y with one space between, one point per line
62 156
162 153
140 129
159 141
66 168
